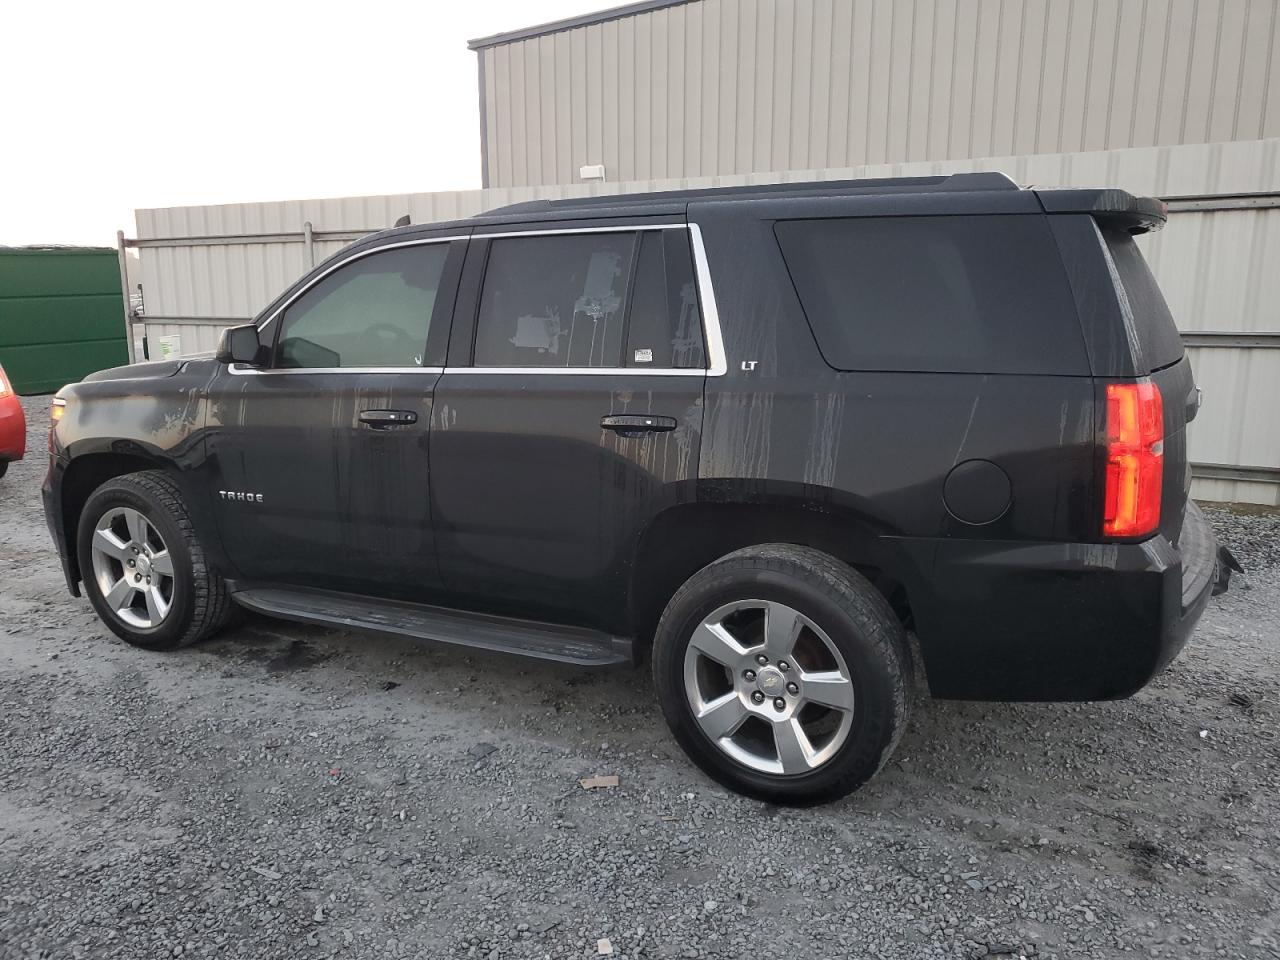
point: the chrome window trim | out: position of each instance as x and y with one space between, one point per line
588 371
717 365
240 370
628 228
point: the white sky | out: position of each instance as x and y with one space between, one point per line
109 107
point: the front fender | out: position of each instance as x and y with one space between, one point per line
110 427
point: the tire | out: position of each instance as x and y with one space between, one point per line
191 594
847 648
4 468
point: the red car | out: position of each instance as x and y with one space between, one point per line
13 425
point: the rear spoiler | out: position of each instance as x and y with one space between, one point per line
1135 214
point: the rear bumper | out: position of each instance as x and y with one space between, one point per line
1011 621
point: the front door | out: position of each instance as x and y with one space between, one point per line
570 418
321 457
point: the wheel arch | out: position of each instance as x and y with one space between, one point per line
683 539
85 474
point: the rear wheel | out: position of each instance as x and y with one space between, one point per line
143 568
783 673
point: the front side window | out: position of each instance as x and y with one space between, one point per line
555 301
373 312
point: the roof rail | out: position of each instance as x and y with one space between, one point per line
980 180
956 181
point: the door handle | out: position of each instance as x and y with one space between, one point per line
381 419
635 424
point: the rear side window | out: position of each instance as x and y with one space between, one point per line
664 328
982 294
590 300
555 301
1153 323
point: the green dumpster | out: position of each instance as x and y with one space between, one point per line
61 315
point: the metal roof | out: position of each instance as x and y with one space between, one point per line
571 23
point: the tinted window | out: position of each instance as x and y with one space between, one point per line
664 328
1157 333
985 294
554 301
373 312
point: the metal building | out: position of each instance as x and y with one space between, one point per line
696 88
1178 99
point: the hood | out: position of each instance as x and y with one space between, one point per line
153 370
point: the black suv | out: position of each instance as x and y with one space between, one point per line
758 433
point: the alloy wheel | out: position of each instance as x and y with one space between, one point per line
769 687
132 567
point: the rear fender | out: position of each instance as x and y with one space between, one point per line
683 539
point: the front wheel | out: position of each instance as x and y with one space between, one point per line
783 673
143 568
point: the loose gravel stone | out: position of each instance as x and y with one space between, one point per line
285 791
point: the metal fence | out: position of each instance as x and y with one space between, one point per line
205 268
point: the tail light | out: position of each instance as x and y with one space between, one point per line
1135 459
5 389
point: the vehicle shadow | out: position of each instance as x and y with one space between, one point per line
956 758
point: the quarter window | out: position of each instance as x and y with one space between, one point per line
373 312
980 294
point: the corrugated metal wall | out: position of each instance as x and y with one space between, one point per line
734 86
1218 268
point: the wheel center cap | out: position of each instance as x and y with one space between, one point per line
770 682
144 565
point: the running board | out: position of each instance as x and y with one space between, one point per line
546 641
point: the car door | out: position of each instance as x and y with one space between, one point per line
569 414
320 457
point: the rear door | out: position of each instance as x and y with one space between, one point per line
320 458
569 414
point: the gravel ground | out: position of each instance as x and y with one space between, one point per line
285 791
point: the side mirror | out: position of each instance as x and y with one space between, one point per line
240 345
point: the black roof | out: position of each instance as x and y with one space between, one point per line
760 191
1137 214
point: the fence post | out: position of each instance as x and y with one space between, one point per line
124 290
309 243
